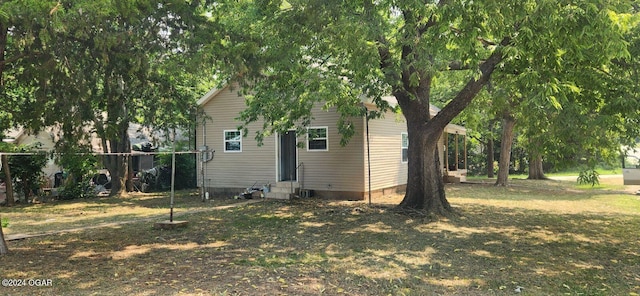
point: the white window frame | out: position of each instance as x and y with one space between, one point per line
225 141
325 138
402 147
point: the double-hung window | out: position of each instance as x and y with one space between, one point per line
404 147
317 139
232 141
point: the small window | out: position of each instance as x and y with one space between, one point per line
405 147
317 139
233 141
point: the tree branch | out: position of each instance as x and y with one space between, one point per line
15 58
432 21
471 89
386 62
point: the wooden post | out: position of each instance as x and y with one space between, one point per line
4 249
446 153
8 182
457 152
465 152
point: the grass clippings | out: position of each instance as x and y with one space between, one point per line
540 237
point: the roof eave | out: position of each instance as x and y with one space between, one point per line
208 96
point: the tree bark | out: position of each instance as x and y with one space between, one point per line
508 124
7 180
425 186
4 249
490 158
536 171
118 143
118 165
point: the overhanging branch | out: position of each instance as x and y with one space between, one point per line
471 89
15 58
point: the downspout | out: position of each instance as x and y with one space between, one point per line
203 152
368 151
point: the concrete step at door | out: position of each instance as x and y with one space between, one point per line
277 195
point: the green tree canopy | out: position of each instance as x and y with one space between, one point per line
294 54
102 65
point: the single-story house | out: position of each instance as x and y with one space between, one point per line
43 139
322 167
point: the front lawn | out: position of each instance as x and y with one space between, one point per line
546 237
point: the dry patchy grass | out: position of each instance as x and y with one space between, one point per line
549 237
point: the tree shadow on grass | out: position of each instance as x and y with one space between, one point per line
64 215
314 247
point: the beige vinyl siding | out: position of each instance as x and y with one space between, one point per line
339 168
336 169
235 169
387 168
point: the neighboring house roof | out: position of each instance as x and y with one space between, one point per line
138 134
13 135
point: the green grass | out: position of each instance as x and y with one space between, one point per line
564 173
601 171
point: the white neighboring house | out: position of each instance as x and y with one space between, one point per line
46 138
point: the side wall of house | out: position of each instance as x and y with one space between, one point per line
337 172
388 171
233 170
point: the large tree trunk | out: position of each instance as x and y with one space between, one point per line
4 249
508 124
119 144
536 172
118 165
7 180
490 158
425 186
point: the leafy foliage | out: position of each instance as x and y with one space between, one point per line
185 168
581 111
589 176
290 57
79 168
103 64
26 170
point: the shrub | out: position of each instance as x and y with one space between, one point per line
185 168
79 168
589 176
26 170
